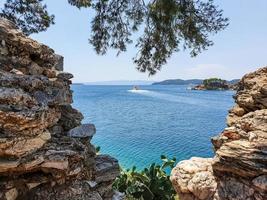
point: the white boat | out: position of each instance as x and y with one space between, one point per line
190 87
136 88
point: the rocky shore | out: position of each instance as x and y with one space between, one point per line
45 151
239 169
216 84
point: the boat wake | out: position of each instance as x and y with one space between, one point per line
139 91
170 97
163 96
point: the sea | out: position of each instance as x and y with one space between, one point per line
138 126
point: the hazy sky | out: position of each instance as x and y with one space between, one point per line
239 49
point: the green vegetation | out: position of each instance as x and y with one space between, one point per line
31 16
152 183
167 25
215 83
97 149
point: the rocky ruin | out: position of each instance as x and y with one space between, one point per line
239 169
45 151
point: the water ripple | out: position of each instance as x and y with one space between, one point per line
138 126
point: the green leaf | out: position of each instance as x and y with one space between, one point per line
97 149
163 157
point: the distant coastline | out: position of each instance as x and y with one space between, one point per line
164 82
188 82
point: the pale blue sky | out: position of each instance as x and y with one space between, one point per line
239 49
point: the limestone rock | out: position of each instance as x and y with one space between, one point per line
64 76
261 182
118 196
59 62
245 155
107 168
23 47
251 94
45 152
28 122
51 92
239 169
194 177
70 117
15 71
203 185
11 194
22 146
235 188
70 191
16 97
83 131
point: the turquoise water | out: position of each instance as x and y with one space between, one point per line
137 127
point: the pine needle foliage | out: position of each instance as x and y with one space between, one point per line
165 26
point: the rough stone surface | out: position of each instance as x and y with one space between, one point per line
104 165
59 64
194 177
45 152
64 75
83 131
239 169
70 117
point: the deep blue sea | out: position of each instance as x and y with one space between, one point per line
137 127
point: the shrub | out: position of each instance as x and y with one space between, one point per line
152 183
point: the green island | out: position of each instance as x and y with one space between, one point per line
216 84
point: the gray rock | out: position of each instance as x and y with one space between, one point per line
107 168
92 184
83 131
118 196
59 62
15 71
35 69
13 96
261 182
56 130
65 75
41 97
70 117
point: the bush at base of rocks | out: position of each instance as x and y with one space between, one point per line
152 183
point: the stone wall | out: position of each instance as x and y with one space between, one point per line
239 169
45 151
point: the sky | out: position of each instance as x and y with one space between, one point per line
239 49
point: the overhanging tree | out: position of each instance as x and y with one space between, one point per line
167 25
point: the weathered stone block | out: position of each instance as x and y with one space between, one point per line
59 62
83 131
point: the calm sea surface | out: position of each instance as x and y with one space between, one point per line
137 127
